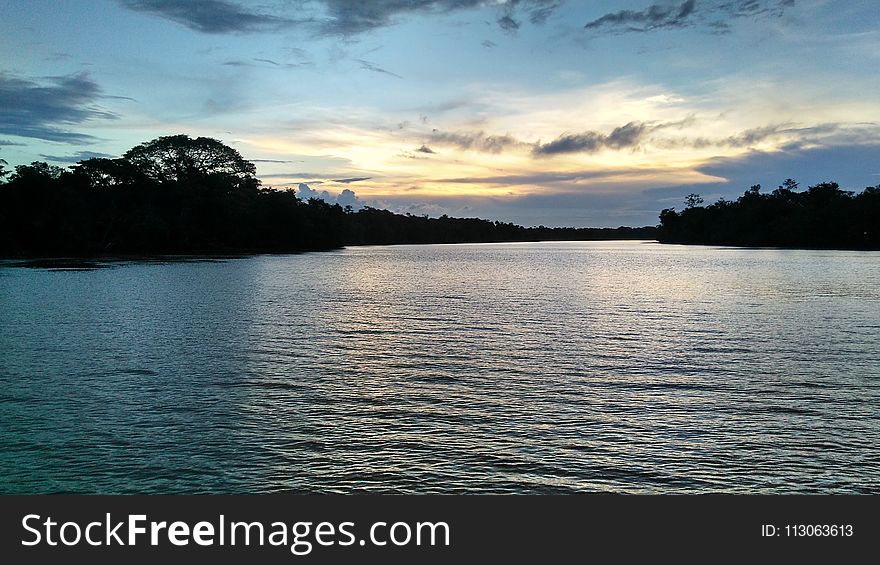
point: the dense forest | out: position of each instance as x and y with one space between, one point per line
176 194
823 216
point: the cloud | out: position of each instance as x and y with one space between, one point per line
7 143
540 15
792 135
30 109
209 16
668 15
634 134
637 134
806 165
655 16
539 12
351 180
349 198
345 198
306 192
76 157
263 63
544 178
345 17
478 141
327 17
297 175
621 137
489 44
507 23
366 65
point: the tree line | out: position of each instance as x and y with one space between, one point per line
183 195
822 216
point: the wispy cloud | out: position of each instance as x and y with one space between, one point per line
667 15
345 17
210 16
76 157
508 24
622 137
327 17
264 63
540 14
787 135
655 16
31 109
351 180
478 141
540 178
368 66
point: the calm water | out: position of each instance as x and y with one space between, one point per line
547 367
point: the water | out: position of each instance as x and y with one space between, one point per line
542 367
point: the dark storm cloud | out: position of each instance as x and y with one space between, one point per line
30 109
622 137
209 16
668 15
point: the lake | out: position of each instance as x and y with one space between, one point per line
626 367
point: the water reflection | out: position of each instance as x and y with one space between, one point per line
479 368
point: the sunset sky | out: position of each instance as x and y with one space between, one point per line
546 112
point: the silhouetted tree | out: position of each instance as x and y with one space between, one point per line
693 200
180 158
176 194
36 172
107 173
822 216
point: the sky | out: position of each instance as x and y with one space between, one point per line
539 112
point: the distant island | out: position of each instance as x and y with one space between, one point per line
180 195
824 217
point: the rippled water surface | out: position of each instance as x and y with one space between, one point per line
544 367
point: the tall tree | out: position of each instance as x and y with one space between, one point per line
180 158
